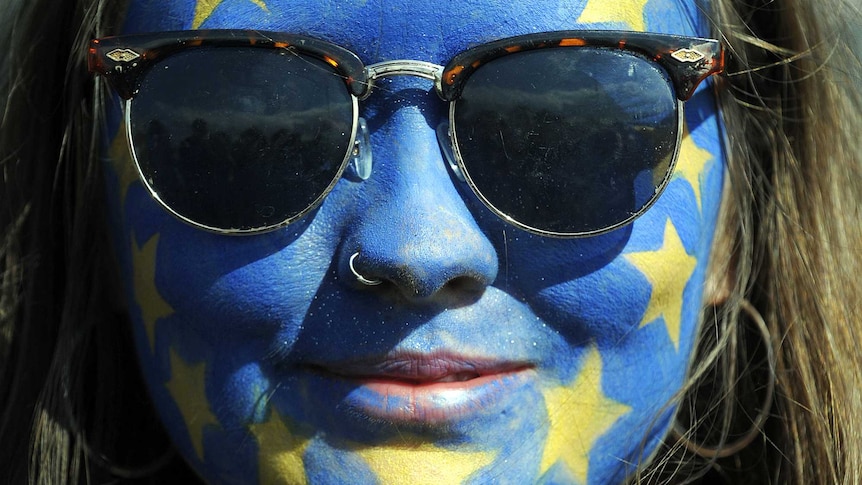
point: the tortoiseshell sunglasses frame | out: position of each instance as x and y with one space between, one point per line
124 60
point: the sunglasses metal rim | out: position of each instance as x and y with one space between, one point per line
453 138
236 231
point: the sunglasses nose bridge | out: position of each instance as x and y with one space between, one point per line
403 67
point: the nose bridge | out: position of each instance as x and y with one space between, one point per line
416 232
403 67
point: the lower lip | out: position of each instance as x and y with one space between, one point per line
431 403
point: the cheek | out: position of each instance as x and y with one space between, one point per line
599 286
636 293
215 287
205 308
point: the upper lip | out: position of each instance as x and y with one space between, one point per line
421 368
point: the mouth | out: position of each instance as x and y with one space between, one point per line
426 389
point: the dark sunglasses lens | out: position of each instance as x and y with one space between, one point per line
241 138
568 140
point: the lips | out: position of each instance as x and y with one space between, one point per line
426 389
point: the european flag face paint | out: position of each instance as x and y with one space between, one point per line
488 355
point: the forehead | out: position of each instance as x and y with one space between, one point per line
431 30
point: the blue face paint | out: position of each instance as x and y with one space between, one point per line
489 352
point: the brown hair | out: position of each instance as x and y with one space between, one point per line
67 361
788 241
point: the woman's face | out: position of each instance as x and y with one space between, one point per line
487 355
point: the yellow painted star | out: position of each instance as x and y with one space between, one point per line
668 270
151 303
121 160
691 163
205 8
632 13
187 388
280 450
423 464
579 414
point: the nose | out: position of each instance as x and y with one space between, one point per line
414 232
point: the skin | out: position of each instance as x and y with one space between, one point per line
228 329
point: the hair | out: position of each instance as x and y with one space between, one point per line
788 241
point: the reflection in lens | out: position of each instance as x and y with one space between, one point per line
241 138
579 148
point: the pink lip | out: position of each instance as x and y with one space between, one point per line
427 389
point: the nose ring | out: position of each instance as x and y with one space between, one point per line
359 277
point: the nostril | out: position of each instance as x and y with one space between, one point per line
462 291
465 285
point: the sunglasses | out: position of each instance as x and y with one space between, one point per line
565 134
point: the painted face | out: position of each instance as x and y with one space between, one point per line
488 354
